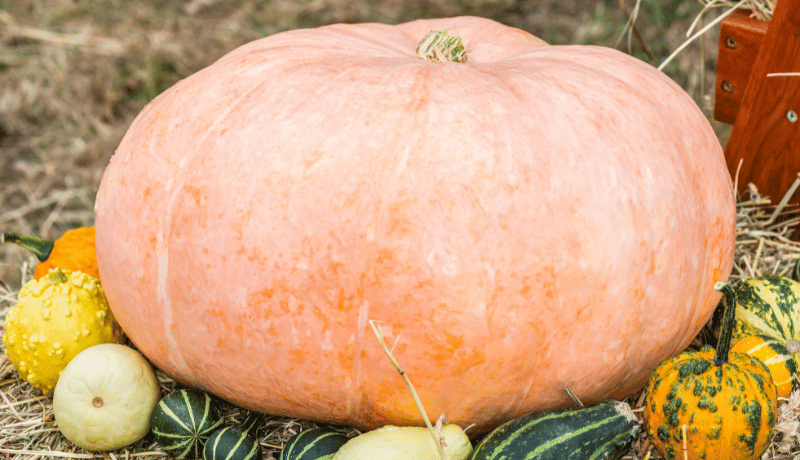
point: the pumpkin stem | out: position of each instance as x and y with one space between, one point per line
41 248
439 46
729 317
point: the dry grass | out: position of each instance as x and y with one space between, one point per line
74 73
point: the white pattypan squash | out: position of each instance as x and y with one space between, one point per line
104 397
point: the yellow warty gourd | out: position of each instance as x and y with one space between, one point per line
57 317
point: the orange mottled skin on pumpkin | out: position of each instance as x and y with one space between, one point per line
535 218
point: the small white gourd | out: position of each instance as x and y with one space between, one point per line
405 443
104 397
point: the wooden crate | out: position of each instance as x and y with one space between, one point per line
755 94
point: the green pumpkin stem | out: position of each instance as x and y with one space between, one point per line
41 248
729 317
439 46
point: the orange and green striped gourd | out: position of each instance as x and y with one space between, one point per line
776 356
74 251
721 405
769 305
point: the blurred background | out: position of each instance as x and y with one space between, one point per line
74 74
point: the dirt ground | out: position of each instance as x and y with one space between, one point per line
74 74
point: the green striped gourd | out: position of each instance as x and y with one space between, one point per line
252 422
772 352
769 305
313 444
603 431
182 422
232 443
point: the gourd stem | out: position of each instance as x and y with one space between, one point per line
796 271
40 247
439 46
729 317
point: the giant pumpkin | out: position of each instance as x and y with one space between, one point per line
535 218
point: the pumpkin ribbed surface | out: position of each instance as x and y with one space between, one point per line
534 218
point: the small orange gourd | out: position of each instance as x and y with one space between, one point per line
74 251
719 405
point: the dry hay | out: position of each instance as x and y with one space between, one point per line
760 9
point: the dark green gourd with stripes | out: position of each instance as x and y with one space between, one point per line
182 422
313 444
232 443
601 432
236 442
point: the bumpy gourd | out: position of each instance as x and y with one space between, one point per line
726 401
75 250
57 317
104 397
769 305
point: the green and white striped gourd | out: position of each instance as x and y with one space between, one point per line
313 444
182 422
601 432
769 305
232 443
252 423
778 359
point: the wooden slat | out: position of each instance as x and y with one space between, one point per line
766 134
740 38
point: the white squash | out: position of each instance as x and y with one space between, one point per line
104 397
404 443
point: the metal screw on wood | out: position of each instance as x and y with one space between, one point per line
727 86
730 42
791 115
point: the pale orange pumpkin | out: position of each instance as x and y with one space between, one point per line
538 217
